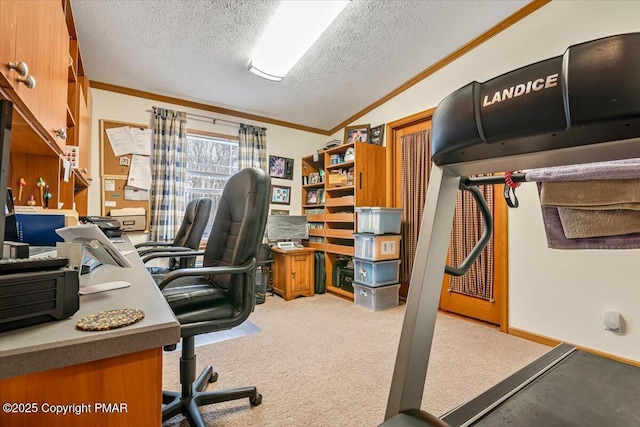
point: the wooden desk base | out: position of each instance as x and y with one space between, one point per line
120 391
293 272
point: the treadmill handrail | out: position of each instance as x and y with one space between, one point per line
484 239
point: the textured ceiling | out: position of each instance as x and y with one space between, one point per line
199 51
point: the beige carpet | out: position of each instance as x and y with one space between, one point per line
323 361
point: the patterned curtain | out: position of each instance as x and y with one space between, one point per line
466 231
168 162
252 142
467 225
416 168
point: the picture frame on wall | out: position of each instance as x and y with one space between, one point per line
357 133
376 135
279 212
280 195
280 167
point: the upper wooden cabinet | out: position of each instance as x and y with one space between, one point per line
41 72
35 58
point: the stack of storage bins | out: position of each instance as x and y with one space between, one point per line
376 260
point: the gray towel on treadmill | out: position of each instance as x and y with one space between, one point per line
616 169
557 240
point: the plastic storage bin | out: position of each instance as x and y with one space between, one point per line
376 299
373 247
376 273
379 220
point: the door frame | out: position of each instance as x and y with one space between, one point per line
500 219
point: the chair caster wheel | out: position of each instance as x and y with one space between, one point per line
256 400
213 378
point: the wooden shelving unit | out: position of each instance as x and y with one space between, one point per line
311 165
346 185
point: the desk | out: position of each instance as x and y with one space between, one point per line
293 272
55 364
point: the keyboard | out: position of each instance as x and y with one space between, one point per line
25 265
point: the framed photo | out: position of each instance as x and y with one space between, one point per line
358 133
280 195
279 212
280 167
314 178
312 197
376 135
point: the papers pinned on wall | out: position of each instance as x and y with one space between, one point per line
121 140
133 147
140 172
142 139
131 193
127 140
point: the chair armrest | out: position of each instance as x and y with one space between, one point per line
208 271
196 328
145 244
179 249
166 254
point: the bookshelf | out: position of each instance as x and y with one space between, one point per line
353 175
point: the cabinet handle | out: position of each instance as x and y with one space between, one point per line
360 180
62 133
29 82
21 68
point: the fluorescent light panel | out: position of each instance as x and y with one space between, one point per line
292 31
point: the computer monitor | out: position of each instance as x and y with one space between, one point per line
6 111
10 225
285 228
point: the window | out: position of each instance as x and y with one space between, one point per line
210 163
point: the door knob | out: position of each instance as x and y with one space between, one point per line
21 68
62 133
29 81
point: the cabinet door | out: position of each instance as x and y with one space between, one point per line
300 273
29 32
84 133
42 42
8 10
54 75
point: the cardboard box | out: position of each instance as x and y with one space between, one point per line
130 219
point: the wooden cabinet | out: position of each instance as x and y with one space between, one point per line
293 272
354 176
36 36
41 34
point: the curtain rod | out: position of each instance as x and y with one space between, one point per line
205 118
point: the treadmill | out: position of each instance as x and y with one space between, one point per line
580 107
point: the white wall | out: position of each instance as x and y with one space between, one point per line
281 141
559 294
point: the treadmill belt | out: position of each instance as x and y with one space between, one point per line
582 390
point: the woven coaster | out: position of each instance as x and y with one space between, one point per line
111 319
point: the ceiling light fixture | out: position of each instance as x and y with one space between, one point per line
292 31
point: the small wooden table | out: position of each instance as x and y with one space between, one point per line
293 272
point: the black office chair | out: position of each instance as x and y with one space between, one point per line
220 295
187 238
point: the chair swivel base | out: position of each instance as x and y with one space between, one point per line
188 403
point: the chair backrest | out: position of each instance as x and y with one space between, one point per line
193 224
238 227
